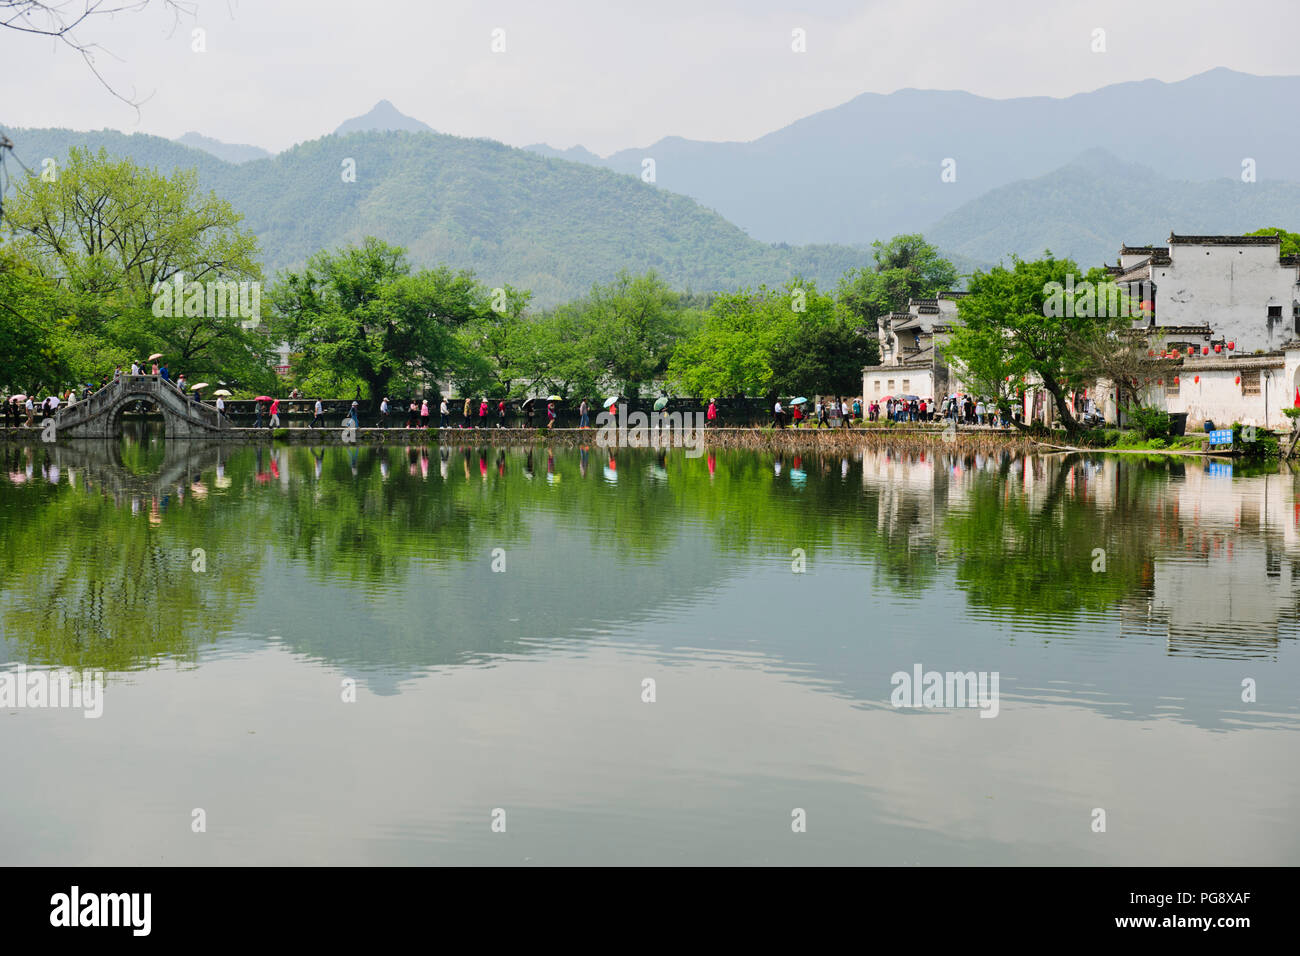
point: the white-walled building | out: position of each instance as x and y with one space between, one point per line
1237 289
909 363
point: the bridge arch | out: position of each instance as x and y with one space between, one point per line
100 415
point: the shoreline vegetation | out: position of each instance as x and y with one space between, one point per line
763 437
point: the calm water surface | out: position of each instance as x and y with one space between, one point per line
521 689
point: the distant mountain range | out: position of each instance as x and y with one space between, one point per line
1087 208
512 216
870 168
230 152
556 221
383 116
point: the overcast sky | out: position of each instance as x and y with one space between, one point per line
607 75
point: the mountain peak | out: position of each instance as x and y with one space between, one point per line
383 116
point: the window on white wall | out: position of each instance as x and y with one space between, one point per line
877 386
1250 381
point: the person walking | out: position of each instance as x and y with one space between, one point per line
532 409
424 413
352 414
317 414
154 371
501 413
412 414
778 415
466 413
844 414
221 409
823 415
383 413
275 414
711 416
444 414
550 414
257 414
482 413
582 410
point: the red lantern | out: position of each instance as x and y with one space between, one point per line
1197 379
1231 346
1237 380
1190 351
1205 350
1160 381
1176 379
1218 348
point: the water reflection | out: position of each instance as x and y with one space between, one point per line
1164 546
1120 679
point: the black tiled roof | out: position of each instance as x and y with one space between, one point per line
1224 240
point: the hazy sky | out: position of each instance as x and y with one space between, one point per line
606 75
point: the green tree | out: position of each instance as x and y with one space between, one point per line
635 322
119 238
1007 330
906 267
360 314
1290 240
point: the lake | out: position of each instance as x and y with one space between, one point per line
479 655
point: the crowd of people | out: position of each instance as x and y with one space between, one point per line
963 409
823 412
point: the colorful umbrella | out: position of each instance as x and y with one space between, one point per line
799 401
555 398
660 404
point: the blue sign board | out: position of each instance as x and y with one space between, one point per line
1221 436
1219 469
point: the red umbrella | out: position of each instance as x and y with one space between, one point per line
264 398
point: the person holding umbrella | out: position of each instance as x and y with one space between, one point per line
550 414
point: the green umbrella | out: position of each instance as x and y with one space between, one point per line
799 401
660 403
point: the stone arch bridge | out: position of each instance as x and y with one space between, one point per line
100 415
